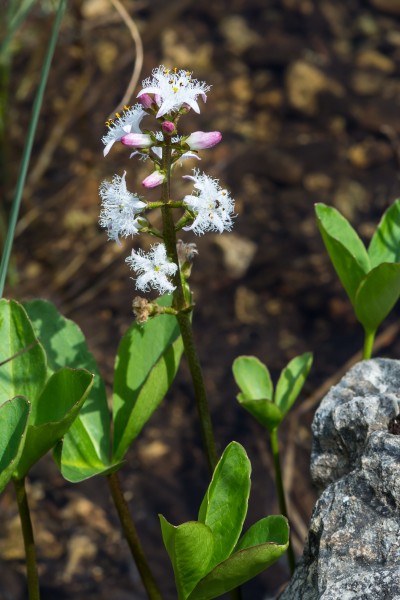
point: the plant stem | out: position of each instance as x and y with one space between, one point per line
183 318
132 538
280 491
199 389
29 544
368 344
28 145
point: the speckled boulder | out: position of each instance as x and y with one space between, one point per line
353 545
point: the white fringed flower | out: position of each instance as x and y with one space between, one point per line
212 206
127 122
119 208
173 89
153 269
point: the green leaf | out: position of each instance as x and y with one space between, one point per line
273 529
261 546
25 374
347 252
147 361
384 245
291 381
13 421
253 378
190 547
52 414
86 448
266 412
224 506
377 295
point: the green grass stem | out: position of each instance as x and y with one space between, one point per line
5 259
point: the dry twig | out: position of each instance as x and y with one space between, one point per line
134 31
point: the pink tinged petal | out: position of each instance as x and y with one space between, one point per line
145 99
204 96
137 140
153 180
158 99
200 140
168 127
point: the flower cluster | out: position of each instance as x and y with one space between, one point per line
166 95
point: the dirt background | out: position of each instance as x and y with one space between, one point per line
307 96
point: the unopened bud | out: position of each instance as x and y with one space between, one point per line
168 127
137 140
199 140
154 179
186 254
146 100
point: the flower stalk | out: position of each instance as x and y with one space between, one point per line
132 538
29 543
280 490
184 319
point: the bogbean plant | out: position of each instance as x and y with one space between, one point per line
371 277
53 397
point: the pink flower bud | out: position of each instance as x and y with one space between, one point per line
153 180
168 127
199 140
137 140
146 100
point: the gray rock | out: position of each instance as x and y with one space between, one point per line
353 546
363 401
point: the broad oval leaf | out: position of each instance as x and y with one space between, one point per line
384 245
13 421
253 378
86 448
247 562
347 252
52 414
273 529
22 358
377 295
266 412
147 361
224 506
291 381
190 547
